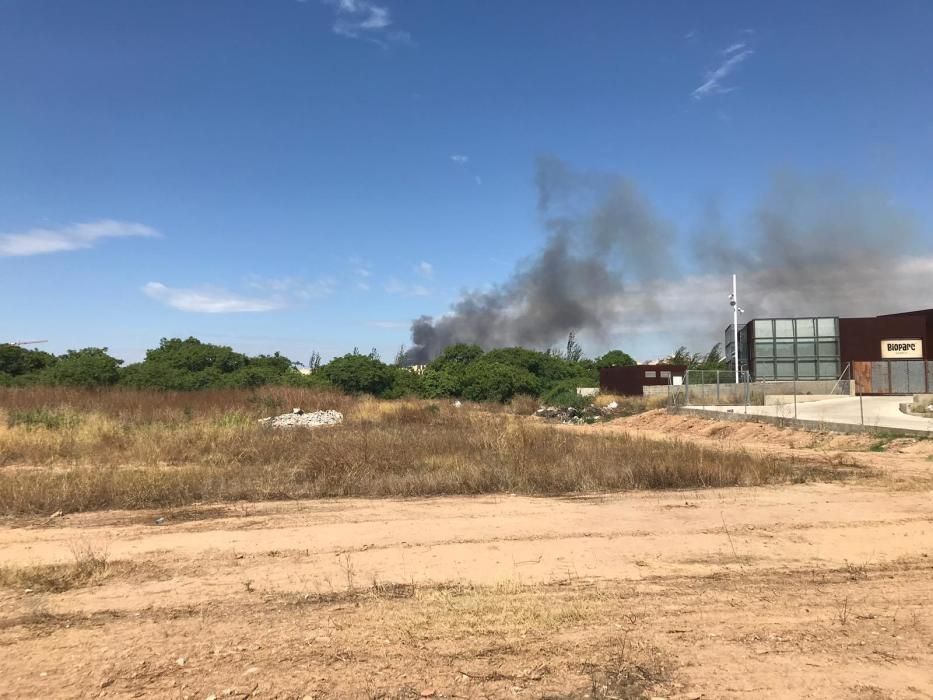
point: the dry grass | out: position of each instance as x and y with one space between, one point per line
136 450
90 566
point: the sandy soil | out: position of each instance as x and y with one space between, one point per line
819 590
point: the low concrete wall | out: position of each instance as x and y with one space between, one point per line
812 425
587 391
788 399
734 394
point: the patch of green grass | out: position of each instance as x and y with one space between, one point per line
50 419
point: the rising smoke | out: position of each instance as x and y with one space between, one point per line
609 265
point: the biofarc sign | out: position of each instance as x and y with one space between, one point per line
902 349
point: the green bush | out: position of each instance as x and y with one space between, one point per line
404 383
495 381
564 395
358 374
42 418
439 384
615 358
90 367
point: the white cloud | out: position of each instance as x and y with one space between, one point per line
732 49
210 300
362 19
403 289
713 80
41 241
425 269
460 159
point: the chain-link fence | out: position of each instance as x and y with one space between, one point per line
721 388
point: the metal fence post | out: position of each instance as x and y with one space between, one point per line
718 399
748 378
795 397
687 388
861 408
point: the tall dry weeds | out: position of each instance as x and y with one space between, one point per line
170 450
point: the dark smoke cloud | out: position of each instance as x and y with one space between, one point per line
600 233
820 246
811 246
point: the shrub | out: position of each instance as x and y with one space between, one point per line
439 384
90 367
495 381
358 374
615 358
42 418
564 395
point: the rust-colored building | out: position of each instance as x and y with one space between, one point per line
630 381
889 354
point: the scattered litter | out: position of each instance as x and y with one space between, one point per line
299 419
612 405
590 414
457 404
159 521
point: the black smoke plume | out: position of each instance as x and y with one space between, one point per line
601 232
610 264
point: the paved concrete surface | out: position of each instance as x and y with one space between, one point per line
880 412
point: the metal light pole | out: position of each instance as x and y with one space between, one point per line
736 310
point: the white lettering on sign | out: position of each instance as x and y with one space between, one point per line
902 349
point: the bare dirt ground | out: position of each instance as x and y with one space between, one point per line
814 590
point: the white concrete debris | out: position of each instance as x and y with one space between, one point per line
612 405
299 419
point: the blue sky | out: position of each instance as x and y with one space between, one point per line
298 176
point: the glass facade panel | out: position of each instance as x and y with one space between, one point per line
806 348
784 370
829 370
806 370
764 370
805 328
785 350
764 329
764 349
784 328
829 348
826 327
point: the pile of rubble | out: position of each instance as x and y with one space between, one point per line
299 419
590 414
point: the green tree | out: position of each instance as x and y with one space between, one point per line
355 373
615 358
439 384
16 361
404 383
497 381
90 367
455 358
574 349
194 356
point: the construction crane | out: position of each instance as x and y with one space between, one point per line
27 342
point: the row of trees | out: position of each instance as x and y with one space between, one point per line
462 370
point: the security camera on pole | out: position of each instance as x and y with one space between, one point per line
736 310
